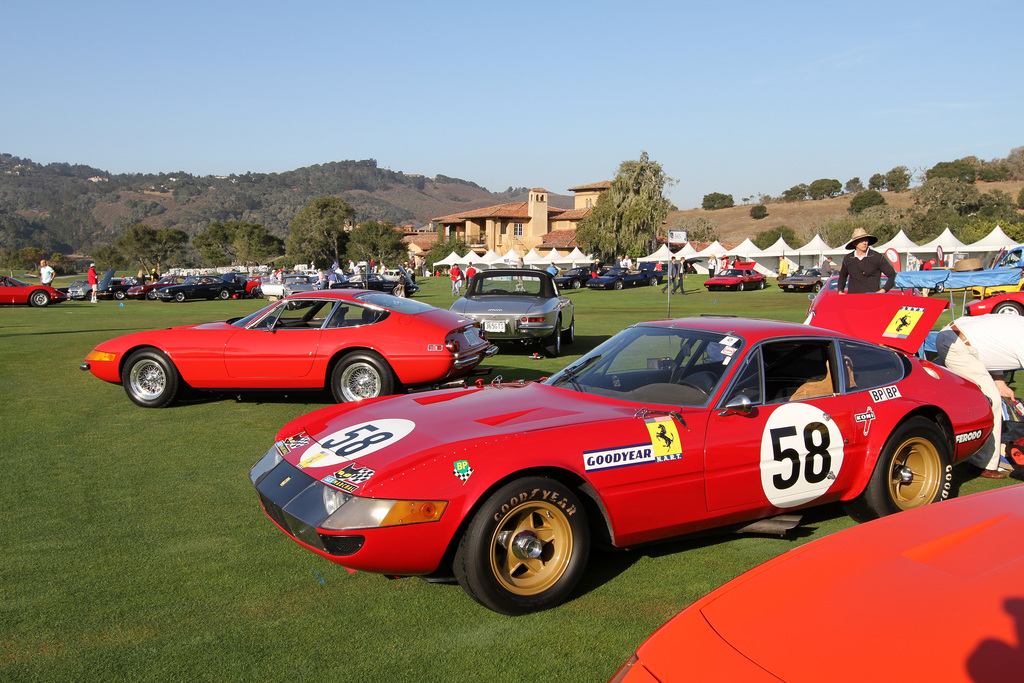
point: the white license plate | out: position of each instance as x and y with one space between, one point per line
494 325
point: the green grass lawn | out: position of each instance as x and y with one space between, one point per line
133 546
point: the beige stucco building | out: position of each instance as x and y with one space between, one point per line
522 225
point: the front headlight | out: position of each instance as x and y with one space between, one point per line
268 462
353 512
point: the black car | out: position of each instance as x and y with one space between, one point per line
617 278
204 287
402 286
574 278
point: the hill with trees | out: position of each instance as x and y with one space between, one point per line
69 208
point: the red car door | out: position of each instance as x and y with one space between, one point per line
789 448
282 344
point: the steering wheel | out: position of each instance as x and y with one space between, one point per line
703 381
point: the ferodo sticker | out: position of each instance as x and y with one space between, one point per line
352 443
801 454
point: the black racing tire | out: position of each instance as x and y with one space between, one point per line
739 287
119 295
576 284
1008 308
654 281
39 298
553 343
618 284
151 295
914 469
569 334
817 287
361 375
224 294
150 379
179 296
760 285
525 548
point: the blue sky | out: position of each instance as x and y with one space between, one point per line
734 97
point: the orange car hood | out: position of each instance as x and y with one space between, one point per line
936 593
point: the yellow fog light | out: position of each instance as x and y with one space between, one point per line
414 512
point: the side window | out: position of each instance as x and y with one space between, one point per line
797 370
361 315
302 314
748 382
870 367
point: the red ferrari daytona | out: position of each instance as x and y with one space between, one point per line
668 428
358 344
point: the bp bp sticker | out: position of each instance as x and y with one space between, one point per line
352 443
801 454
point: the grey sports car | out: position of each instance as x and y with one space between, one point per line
519 304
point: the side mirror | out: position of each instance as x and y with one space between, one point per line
738 405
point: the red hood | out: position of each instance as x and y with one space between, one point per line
423 426
900 321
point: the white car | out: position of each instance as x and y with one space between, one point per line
290 285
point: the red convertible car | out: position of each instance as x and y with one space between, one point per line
668 428
17 292
743 276
943 582
355 343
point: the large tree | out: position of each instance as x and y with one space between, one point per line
151 248
318 232
238 242
380 242
627 217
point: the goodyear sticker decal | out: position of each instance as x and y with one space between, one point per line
618 457
664 438
904 322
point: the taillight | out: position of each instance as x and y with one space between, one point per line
452 345
526 319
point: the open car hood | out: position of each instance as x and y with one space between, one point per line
899 321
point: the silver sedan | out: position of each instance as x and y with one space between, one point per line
518 304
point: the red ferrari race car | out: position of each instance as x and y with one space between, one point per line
951 573
1010 303
17 292
355 343
743 276
669 427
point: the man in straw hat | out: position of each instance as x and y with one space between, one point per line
864 267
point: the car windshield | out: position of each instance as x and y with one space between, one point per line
394 303
654 364
524 283
732 272
810 272
614 272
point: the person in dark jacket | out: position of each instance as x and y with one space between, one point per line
863 267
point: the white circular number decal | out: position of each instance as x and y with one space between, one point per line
801 454
354 442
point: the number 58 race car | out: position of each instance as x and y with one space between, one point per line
667 428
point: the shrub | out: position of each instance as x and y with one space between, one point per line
758 211
864 200
717 200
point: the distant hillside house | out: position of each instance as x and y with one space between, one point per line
522 225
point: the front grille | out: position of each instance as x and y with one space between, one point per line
342 545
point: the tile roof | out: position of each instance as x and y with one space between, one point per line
512 210
573 214
603 185
560 238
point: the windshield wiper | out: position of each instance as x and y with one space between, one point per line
572 372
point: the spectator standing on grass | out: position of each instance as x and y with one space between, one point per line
93 282
456 275
981 349
864 267
46 274
783 268
712 265
674 278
